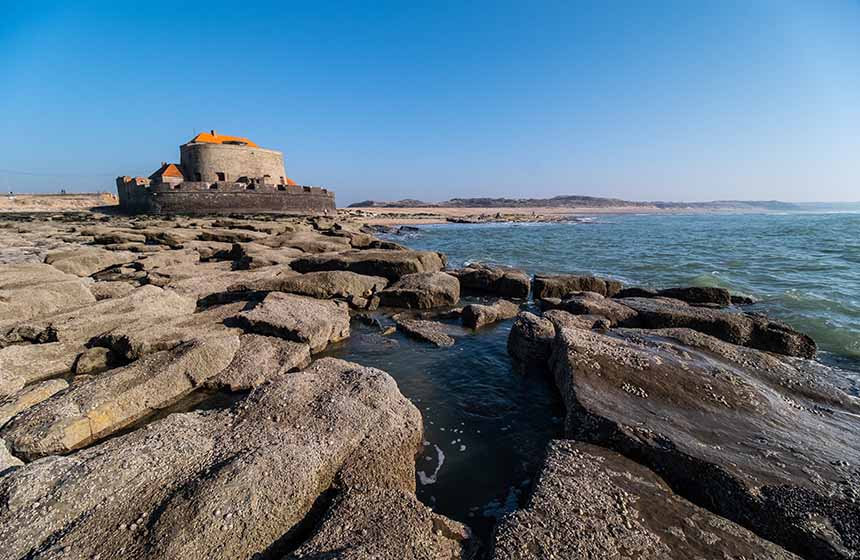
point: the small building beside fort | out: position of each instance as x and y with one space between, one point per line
219 174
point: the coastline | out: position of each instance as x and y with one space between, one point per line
436 215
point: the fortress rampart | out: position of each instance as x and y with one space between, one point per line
222 175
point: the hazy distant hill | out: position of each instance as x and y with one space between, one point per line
576 201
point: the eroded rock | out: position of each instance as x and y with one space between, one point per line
422 290
298 318
589 502
428 331
234 484
746 434
501 281
373 262
564 285
110 402
476 315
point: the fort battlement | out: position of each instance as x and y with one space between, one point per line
220 174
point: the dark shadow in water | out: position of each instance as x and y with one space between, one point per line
486 426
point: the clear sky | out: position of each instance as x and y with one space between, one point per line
645 100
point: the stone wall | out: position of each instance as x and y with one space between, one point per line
203 162
225 198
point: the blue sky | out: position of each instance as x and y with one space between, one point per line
645 100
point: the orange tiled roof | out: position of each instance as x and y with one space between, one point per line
291 182
215 138
167 170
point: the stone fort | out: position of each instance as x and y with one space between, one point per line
219 174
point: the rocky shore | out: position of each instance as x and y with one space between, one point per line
162 395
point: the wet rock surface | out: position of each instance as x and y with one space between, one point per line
755 331
476 315
562 286
428 331
589 502
741 432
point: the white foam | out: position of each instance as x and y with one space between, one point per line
422 476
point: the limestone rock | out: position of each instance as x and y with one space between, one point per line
259 359
373 262
249 256
589 502
297 318
115 399
422 290
501 281
754 331
111 290
561 286
29 396
322 285
85 261
428 331
22 364
475 315
21 304
230 484
590 303
136 340
564 319
529 342
699 295
144 306
93 360
385 524
308 242
7 460
231 235
746 434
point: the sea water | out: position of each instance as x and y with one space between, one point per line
486 426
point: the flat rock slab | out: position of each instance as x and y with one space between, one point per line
307 242
29 396
760 439
422 290
321 285
136 340
591 303
144 306
22 364
232 484
589 502
699 295
501 281
476 315
94 410
297 318
20 304
259 359
564 285
428 331
755 331
373 262
85 261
